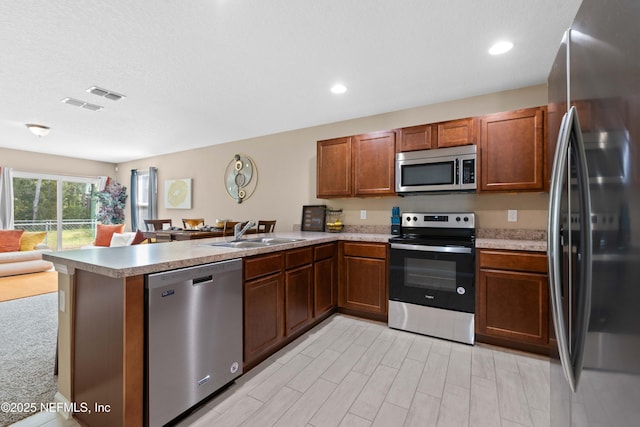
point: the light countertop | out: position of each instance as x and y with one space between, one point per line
135 260
512 244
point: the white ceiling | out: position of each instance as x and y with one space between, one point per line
197 73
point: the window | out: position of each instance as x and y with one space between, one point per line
63 206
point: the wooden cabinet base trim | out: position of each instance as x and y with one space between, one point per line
516 345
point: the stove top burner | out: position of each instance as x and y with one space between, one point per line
437 229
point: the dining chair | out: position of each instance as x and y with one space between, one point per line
266 226
228 228
192 223
156 224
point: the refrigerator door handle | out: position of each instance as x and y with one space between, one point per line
584 291
571 364
554 249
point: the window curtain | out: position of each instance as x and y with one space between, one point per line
133 199
6 198
141 192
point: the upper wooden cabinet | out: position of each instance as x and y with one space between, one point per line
456 132
362 165
512 151
422 137
334 168
437 135
373 158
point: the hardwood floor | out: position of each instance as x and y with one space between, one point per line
353 372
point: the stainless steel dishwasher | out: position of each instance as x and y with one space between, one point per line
194 336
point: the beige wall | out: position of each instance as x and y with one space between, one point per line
286 165
27 161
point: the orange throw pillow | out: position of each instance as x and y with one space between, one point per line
104 233
10 240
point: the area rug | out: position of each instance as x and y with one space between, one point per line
28 285
28 331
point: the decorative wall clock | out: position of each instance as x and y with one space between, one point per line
241 177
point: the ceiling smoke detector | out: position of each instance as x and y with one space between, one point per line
105 93
85 105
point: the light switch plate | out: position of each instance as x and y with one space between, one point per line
363 214
512 215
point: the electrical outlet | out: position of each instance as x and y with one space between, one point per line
512 215
363 214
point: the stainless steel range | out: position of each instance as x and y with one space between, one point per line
432 276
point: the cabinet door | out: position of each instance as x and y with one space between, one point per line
513 305
413 138
324 285
364 286
263 309
334 168
373 162
298 294
511 151
456 132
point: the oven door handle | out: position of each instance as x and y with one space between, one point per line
425 248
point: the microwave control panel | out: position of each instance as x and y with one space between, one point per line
468 171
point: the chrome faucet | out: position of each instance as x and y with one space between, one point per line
237 233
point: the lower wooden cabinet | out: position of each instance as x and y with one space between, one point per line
364 278
263 305
325 279
512 306
298 292
285 293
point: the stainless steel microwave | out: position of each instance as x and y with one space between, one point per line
442 169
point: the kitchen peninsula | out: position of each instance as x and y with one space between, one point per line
102 315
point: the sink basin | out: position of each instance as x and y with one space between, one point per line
273 240
254 243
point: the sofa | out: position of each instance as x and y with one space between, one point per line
21 252
22 262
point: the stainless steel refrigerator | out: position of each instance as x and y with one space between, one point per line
594 218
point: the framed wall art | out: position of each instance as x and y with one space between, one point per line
177 193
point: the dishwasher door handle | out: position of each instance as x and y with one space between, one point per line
202 280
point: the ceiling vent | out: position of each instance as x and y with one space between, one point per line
106 93
78 103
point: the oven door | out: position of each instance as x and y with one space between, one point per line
434 276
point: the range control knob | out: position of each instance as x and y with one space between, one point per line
458 218
466 219
415 218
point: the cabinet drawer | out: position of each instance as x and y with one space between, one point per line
534 262
298 257
324 251
366 250
262 265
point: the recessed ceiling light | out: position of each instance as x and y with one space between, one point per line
500 47
338 88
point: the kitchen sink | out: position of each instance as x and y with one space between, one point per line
254 243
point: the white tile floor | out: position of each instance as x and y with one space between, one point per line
352 372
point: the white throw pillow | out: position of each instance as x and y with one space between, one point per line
122 239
